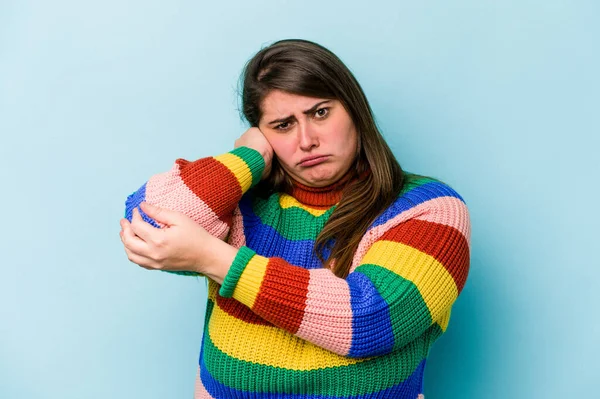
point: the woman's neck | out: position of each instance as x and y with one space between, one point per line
321 197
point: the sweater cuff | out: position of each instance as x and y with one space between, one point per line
241 260
254 162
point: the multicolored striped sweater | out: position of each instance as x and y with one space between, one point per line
283 326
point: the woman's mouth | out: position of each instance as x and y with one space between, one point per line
311 161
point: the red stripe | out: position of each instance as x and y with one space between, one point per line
285 309
240 311
221 193
446 244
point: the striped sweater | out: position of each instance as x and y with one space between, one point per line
281 325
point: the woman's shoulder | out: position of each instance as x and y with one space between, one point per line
419 193
422 186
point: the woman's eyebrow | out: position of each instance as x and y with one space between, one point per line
308 111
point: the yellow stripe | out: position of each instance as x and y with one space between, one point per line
444 320
248 285
213 288
238 167
436 285
287 201
269 345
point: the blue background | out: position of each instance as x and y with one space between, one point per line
499 99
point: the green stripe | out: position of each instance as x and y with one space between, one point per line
434 333
236 269
380 372
408 311
286 221
413 180
253 159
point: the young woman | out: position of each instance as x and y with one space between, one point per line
331 271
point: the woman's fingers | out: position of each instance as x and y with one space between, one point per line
139 260
171 248
161 215
132 255
143 229
132 241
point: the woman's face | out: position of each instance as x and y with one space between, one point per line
314 139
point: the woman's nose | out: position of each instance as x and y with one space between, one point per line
307 136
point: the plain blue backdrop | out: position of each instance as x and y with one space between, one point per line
499 99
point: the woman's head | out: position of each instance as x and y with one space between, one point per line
314 138
284 89
307 69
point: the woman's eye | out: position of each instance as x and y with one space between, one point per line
321 112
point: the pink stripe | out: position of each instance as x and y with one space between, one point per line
167 190
199 390
323 323
237 238
455 214
449 211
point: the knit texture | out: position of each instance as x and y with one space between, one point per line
281 325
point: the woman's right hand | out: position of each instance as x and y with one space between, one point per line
255 139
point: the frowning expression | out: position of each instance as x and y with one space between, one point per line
314 139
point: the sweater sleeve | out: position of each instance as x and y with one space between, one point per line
207 190
403 286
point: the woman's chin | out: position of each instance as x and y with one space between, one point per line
319 178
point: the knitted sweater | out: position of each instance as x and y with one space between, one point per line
283 326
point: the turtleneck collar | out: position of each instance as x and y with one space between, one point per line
321 197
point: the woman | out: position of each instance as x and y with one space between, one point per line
331 271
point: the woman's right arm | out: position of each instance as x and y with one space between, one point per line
208 189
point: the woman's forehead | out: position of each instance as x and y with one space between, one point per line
278 104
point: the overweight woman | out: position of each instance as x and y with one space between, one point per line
331 271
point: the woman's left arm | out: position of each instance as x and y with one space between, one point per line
405 284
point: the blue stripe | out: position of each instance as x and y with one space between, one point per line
408 389
414 197
133 201
300 252
370 313
268 242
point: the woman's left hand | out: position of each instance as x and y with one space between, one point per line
182 245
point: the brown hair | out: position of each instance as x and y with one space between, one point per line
305 68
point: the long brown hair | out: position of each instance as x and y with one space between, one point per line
305 68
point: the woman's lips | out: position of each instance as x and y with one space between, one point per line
314 161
